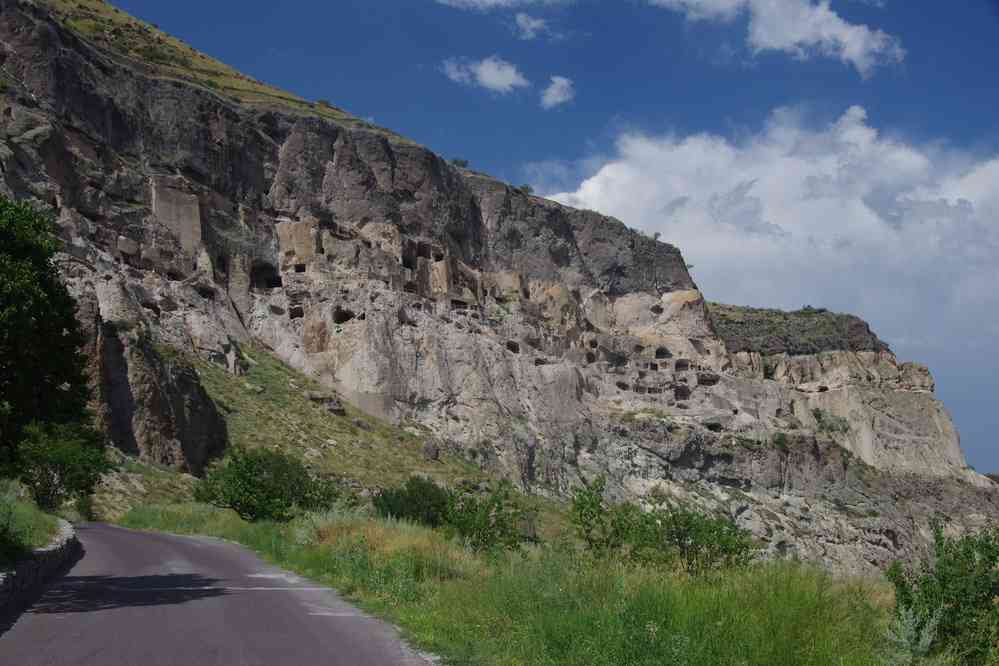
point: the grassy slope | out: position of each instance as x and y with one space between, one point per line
268 407
114 31
23 526
373 456
552 606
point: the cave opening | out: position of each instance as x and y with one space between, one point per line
342 315
264 276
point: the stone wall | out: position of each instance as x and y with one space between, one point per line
17 586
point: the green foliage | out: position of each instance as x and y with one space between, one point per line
602 529
261 484
41 368
830 423
419 500
781 441
460 163
493 522
912 636
22 525
668 537
956 594
526 189
61 461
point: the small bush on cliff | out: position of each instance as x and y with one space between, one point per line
61 461
829 422
261 484
668 536
41 369
952 600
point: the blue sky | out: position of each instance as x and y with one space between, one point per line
842 154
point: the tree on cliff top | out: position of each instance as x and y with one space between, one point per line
42 374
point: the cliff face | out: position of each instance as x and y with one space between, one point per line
547 344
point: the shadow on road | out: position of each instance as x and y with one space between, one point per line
85 594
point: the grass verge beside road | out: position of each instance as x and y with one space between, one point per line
23 526
553 605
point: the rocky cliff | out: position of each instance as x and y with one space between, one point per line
204 211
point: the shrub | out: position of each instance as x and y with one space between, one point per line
830 423
701 543
460 163
958 592
261 484
61 461
419 500
670 536
492 522
602 529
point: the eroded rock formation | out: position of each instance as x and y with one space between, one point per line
548 344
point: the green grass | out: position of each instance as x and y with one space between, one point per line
23 526
553 606
107 27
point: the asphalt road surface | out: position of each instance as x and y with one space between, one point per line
142 599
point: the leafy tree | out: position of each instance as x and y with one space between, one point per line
42 374
261 484
956 594
61 461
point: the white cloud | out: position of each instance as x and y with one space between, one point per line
492 73
799 27
529 27
840 215
561 90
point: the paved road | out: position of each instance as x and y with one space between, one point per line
140 599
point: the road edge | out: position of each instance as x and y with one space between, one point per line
18 586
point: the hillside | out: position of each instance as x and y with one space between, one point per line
219 231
